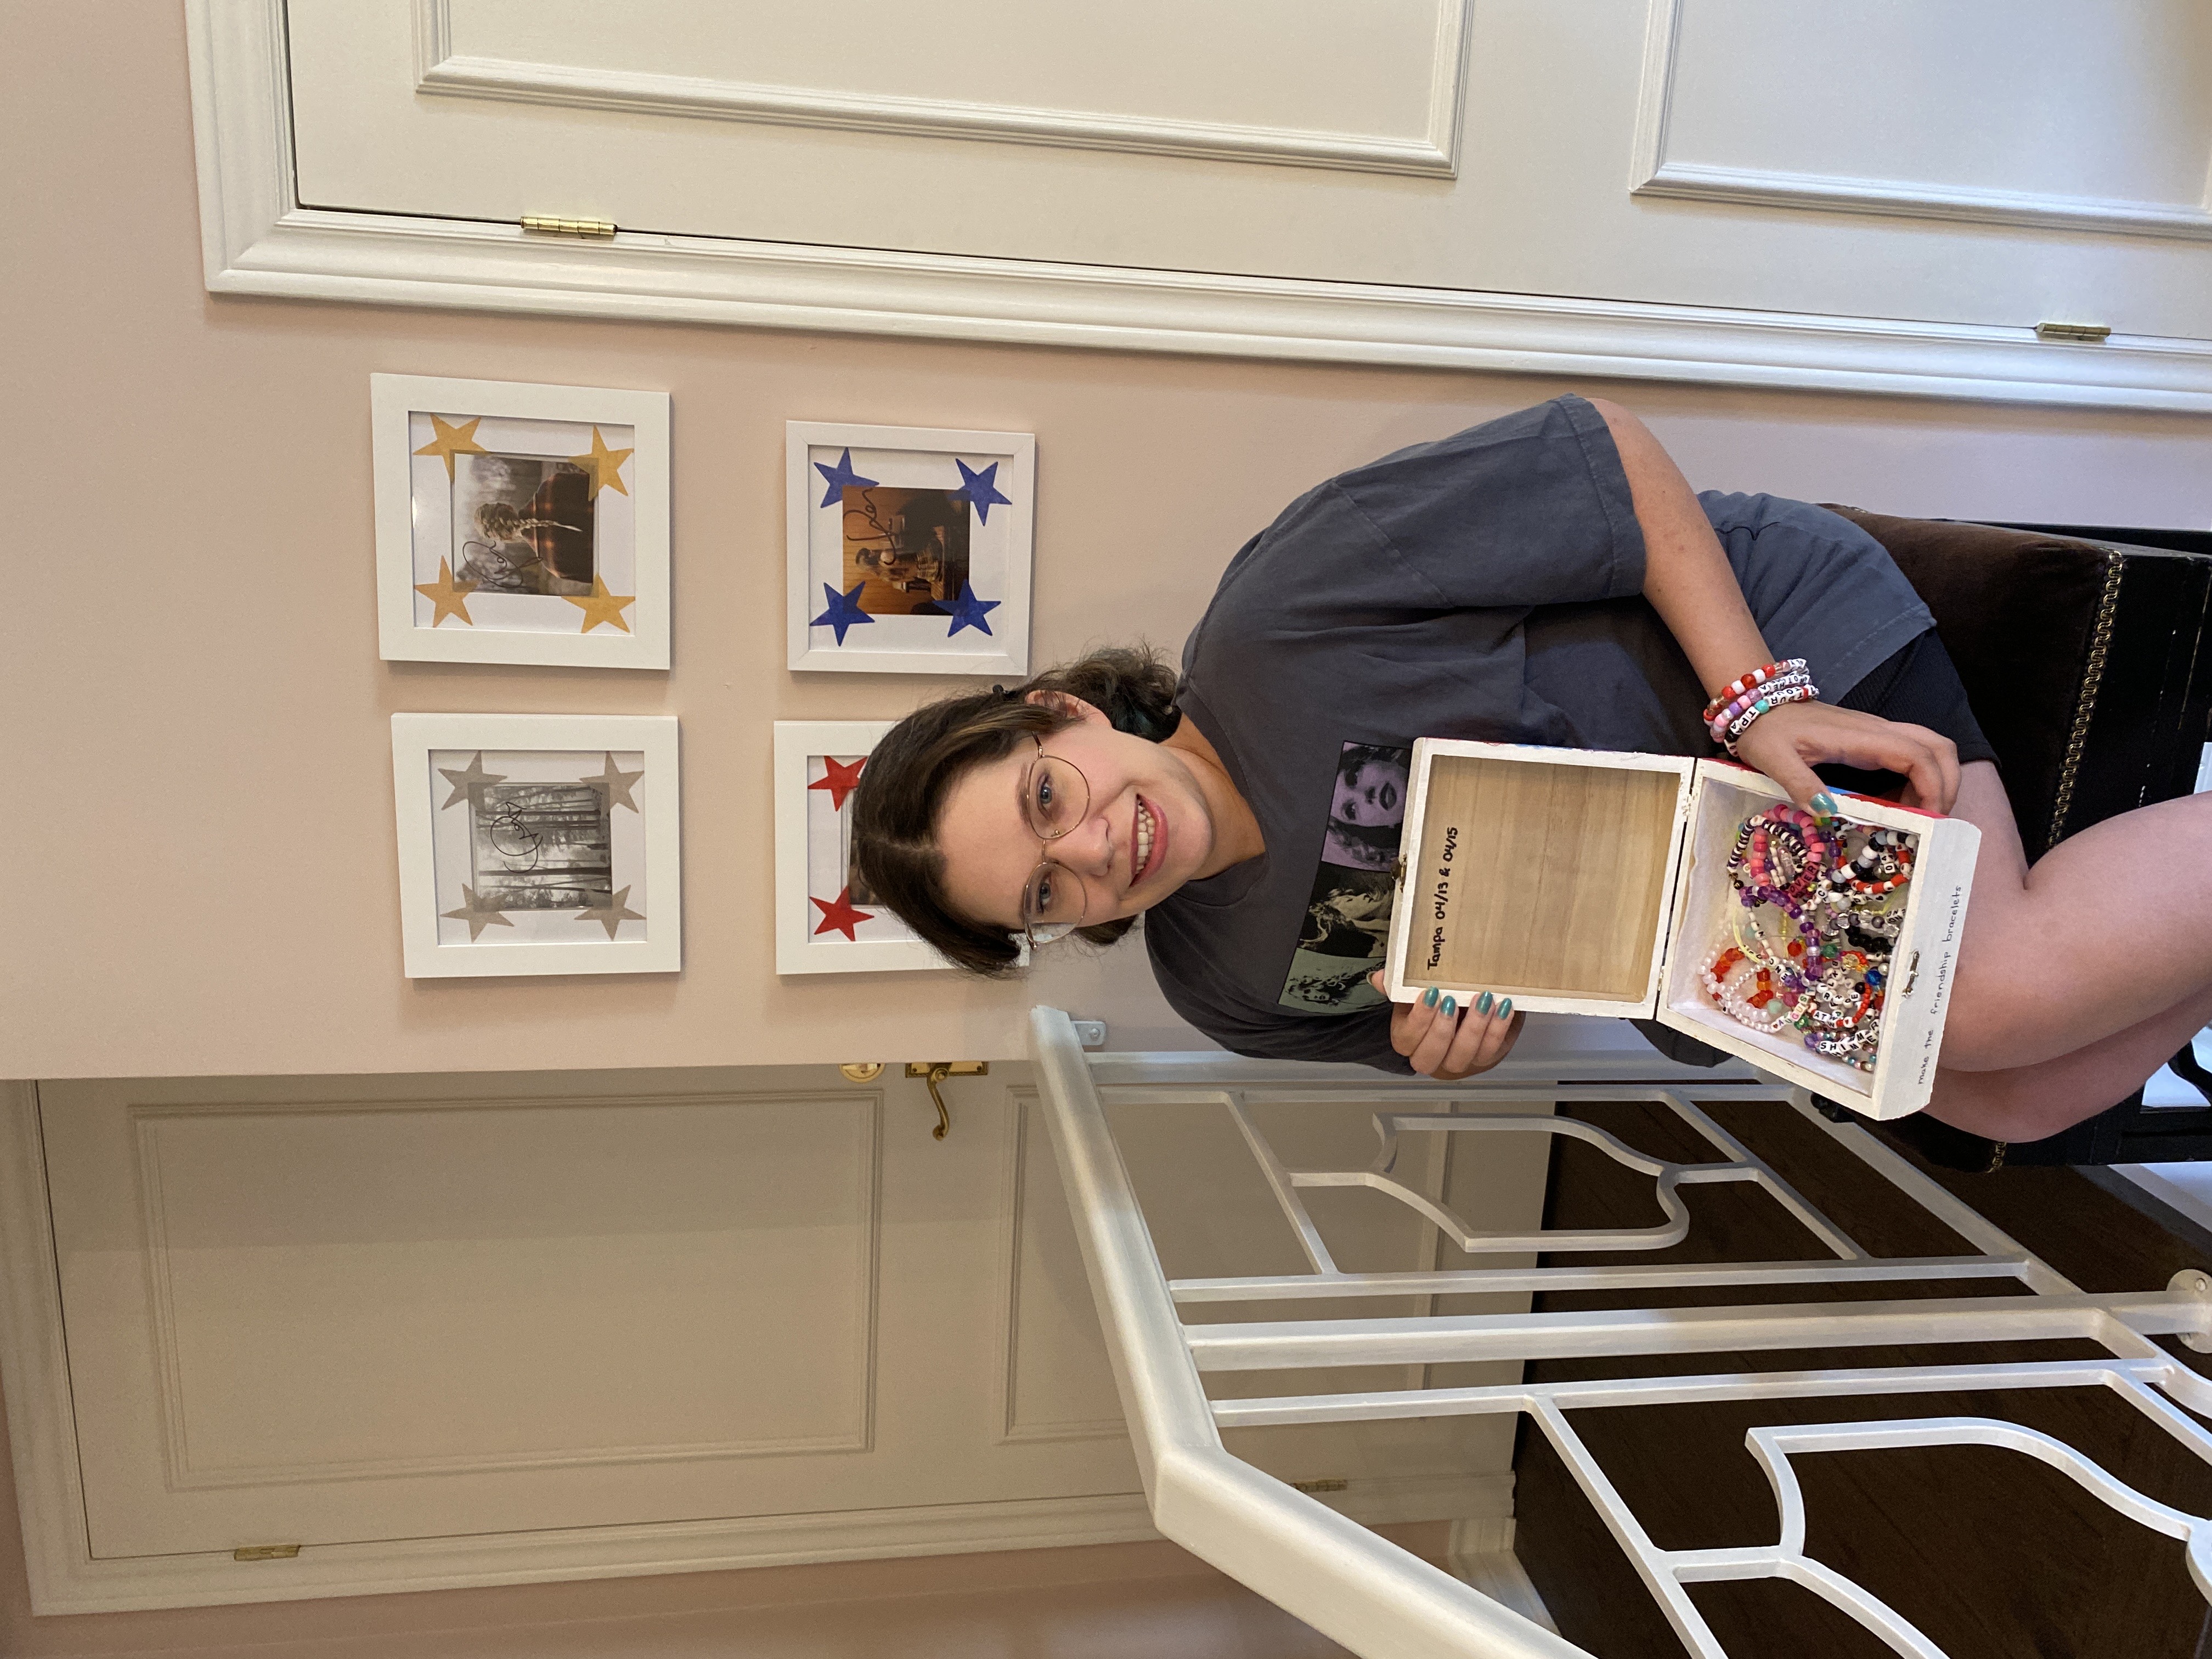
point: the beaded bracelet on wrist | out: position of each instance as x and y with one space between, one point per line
1757 677
1721 714
1741 724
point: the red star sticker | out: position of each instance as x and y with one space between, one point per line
840 915
840 780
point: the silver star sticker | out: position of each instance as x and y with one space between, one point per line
477 915
616 784
615 912
473 773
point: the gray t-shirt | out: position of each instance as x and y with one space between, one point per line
1488 586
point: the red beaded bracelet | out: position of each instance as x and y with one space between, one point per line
1757 677
1718 724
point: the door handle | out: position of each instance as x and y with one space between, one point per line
935 1072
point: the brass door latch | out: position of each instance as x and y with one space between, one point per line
935 1072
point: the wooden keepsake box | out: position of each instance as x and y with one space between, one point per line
1591 882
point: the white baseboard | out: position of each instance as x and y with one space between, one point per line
1481 1555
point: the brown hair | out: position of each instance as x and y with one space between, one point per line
909 773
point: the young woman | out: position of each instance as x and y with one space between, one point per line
1547 578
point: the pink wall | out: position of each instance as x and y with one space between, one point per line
200 838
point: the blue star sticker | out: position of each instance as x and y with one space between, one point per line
980 488
844 610
968 610
841 475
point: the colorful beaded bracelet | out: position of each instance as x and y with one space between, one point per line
1718 724
1743 722
1751 681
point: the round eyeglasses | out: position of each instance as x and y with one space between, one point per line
1055 800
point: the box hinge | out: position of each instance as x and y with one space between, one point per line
265 1553
2076 333
547 224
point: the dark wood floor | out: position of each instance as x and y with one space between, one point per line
1993 1555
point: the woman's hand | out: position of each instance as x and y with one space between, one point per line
1446 1041
1788 742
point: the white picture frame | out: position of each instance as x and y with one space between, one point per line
537 844
817 930
968 567
521 523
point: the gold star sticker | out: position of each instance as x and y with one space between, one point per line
448 596
453 441
604 465
479 916
602 607
612 915
473 773
615 784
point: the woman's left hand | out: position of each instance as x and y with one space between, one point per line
1788 742
1443 1040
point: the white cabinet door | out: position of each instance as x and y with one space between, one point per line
756 1315
1982 161
334 1310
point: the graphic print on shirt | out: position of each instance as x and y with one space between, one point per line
1347 922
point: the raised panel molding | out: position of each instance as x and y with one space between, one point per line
65 1577
438 70
1014 1422
1658 175
257 240
184 1474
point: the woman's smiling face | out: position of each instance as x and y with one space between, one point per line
1147 829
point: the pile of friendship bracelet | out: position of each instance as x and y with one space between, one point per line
1807 949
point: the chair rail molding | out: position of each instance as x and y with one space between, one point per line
258 239
439 70
1657 174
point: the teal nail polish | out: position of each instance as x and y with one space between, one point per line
1430 1001
1825 804
1505 1009
1482 1003
1450 1008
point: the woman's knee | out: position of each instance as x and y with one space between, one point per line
2022 1104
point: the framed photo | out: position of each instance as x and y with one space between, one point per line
521 523
826 919
537 844
910 548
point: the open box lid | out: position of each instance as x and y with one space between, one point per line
1546 875
1595 882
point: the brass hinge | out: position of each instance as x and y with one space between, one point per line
2076 333
546 224
265 1553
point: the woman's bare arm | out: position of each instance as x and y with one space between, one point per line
1690 583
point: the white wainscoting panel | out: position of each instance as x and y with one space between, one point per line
389 1319
1175 78
2043 112
1535 256
1055 1380
503 1328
